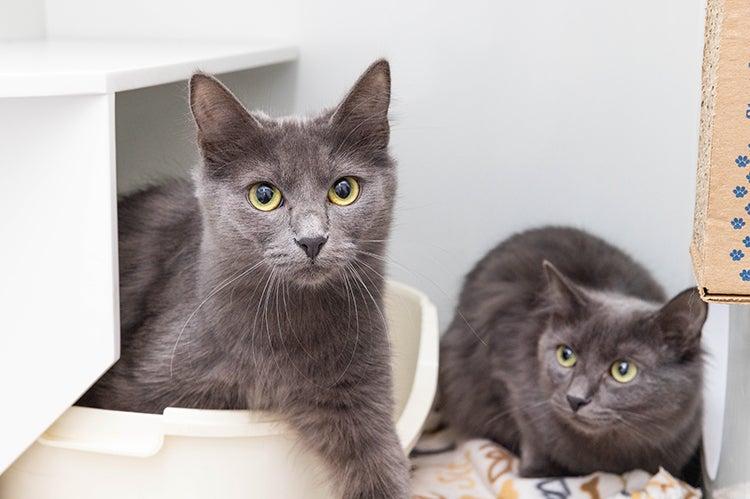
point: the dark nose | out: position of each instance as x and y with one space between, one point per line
311 245
576 402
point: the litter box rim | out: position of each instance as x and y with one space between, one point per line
142 435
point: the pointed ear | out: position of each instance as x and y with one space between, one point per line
681 320
360 122
567 298
225 128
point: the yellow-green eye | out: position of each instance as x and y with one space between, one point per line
344 191
623 371
264 196
566 356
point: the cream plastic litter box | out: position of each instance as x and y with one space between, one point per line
189 453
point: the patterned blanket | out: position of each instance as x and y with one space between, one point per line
477 469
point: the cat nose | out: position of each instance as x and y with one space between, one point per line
576 402
311 245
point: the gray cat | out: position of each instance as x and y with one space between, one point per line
580 366
259 284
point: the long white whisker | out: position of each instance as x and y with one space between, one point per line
285 290
356 337
255 320
372 298
418 274
216 290
514 409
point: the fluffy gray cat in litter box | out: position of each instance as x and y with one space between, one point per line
259 284
563 349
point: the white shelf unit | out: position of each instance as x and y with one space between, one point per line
80 67
58 228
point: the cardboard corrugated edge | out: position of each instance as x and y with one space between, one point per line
709 75
718 298
718 90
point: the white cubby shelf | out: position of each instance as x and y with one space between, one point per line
58 196
42 68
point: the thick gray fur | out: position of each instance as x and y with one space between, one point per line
500 379
222 309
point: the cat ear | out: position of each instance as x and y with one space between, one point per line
565 295
360 122
681 320
225 128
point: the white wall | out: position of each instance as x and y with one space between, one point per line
214 19
515 114
508 114
21 19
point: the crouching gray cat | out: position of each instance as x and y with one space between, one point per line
580 366
259 284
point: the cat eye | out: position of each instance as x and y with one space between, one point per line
623 371
344 191
264 196
566 356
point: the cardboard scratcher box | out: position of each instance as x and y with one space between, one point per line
721 233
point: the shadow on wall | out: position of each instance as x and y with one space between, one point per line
155 131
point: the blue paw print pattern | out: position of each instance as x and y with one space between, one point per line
737 223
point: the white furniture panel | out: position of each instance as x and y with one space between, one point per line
58 259
69 67
731 478
58 210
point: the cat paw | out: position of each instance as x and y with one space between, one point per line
391 482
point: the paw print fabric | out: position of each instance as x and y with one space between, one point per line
444 466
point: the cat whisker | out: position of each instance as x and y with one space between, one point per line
372 282
639 433
211 294
356 340
275 286
403 240
281 334
265 316
515 409
387 259
368 266
372 298
253 293
255 319
345 280
637 417
289 322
